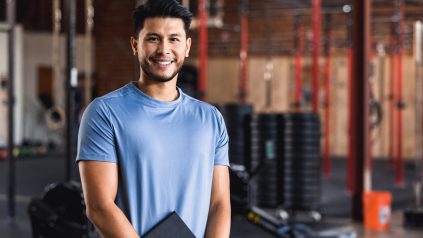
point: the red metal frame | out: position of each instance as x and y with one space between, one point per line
202 48
316 5
244 59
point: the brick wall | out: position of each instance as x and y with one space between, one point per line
114 63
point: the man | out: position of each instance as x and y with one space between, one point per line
147 149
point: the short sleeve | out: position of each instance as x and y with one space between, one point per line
222 143
96 137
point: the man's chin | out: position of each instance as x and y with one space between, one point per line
161 78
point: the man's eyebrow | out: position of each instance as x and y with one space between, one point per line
158 35
152 34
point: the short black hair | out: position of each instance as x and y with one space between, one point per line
161 8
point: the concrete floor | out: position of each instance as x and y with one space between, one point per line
395 231
33 174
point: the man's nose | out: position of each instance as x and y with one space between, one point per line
164 47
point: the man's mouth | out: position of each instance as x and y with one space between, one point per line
162 62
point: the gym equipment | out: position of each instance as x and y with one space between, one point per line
70 85
413 218
60 212
279 228
55 118
265 157
275 160
236 118
301 166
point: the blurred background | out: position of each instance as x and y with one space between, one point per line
322 100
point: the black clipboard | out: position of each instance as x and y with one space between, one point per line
171 226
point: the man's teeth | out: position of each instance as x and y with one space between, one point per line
163 62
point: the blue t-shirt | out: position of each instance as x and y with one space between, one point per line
165 151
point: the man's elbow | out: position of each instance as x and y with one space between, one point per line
96 212
221 207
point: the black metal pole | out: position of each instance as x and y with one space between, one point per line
71 81
360 125
11 99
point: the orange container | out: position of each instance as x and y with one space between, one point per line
377 210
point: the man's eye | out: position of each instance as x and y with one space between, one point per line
174 39
153 39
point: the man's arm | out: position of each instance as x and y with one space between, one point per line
219 219
99 183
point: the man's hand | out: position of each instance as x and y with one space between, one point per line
99 183
219 219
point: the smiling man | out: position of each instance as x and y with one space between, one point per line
148 149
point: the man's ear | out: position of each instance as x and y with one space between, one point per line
188 47
134 45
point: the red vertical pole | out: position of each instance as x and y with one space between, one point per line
326 152
203 45
244 58
399 178
316 47
298 63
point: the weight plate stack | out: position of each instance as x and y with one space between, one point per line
236 118
237 123
264 159
301 167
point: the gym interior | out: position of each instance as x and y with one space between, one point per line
322 100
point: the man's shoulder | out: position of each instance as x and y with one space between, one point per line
117 94
103 103
203 108
193 102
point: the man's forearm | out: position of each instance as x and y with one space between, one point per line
219 222
112 223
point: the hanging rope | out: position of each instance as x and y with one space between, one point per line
89 26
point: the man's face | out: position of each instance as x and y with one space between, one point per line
161 47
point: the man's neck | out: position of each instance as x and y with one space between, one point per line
165 92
